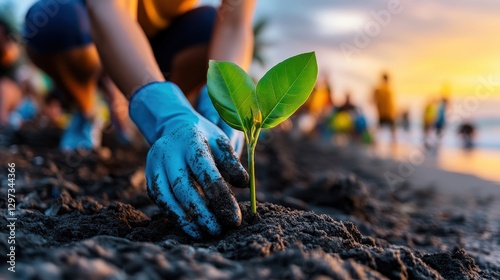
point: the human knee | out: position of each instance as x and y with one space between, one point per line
57 34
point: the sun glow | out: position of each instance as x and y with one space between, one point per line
334 22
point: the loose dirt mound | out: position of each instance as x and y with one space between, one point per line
89 217
278 243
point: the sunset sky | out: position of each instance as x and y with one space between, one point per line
424 45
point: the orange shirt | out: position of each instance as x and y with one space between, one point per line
384 102
156 15
319 100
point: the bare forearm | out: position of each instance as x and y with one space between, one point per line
123 46
233 34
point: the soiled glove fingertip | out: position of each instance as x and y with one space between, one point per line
237 176
230 219
223 204
210 225
230 166
192 231
214 230
242 181
237 218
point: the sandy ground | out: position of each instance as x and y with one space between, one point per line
440 171
400 167
324 213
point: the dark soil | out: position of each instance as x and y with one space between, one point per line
323 214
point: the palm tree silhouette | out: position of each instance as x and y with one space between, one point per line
259 43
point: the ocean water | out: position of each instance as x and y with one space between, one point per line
482 161
484 114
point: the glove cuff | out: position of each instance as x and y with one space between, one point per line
154 104
203 94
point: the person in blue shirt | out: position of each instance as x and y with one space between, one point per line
440 122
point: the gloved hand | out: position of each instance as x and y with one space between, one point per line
191 162
206 108
81 133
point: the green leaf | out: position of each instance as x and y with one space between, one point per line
232 92
285 87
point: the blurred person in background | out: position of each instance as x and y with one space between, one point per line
429 117
62 48
348 120
440 121
442 108
313 113
467 132
324 108
434 120
16 105
405 120
384 102
348 106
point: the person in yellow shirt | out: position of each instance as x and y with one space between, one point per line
429 117
156 52
384 102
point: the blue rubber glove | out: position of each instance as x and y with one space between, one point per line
81 133
206 108
191 162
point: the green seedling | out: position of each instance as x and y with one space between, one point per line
249 108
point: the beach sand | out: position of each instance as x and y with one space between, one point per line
451 172
453 192
324 213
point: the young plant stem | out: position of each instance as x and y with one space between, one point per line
251 173
252 138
